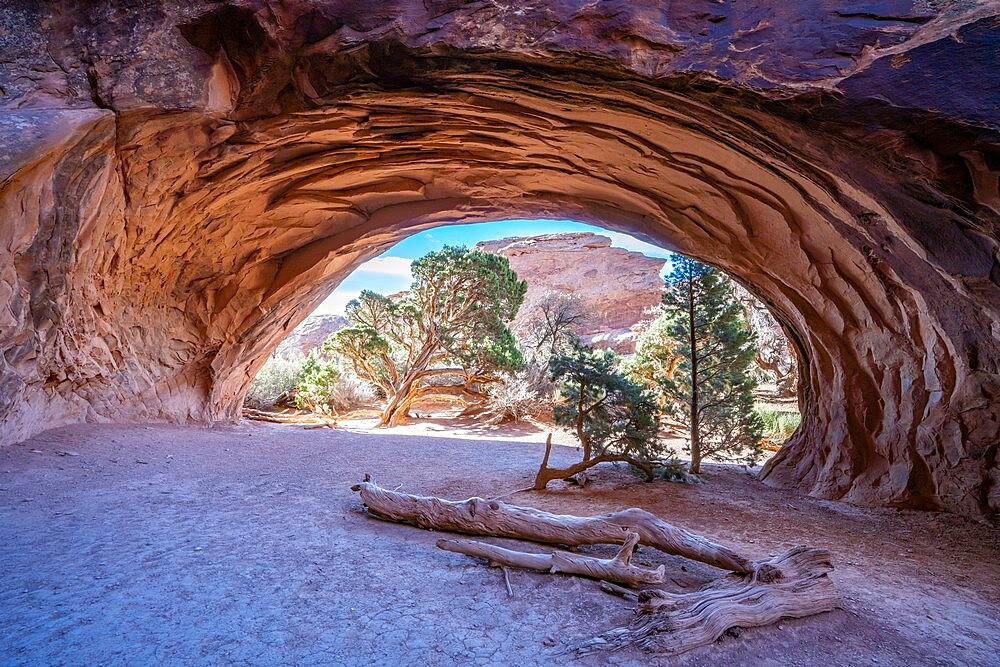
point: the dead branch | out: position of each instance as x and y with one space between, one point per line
301 419
546 474
624 593
506 580
617 568
478 516
793 585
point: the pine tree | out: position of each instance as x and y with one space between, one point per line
710 391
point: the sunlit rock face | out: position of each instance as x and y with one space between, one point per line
607 290
310 335
184 182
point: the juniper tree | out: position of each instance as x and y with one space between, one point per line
710 390
613 417
446 336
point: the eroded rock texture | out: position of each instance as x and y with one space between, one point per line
610 289
184 181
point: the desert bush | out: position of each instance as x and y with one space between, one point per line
349 392
323 387
315 383
778 425
519 394
277 377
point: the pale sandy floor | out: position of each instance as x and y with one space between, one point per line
185 546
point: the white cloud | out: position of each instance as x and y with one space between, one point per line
335 303
627 242
387 266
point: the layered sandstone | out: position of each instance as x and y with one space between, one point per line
183 182
612 288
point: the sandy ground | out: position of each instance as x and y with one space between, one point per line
172 545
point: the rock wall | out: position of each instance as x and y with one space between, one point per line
183 182
310 334
612 287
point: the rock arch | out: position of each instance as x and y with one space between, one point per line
183 183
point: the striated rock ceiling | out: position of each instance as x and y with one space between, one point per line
183 182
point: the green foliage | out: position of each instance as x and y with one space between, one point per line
778 425
710 391
316 384
672 471
655 358
324 387
276 377
609 412
451 323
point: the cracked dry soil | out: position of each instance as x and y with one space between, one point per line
244 545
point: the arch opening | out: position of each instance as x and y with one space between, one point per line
604 287
161 247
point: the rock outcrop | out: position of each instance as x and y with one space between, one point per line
310 334
775 354
184 181
612 287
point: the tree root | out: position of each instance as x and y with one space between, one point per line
793 585
546 474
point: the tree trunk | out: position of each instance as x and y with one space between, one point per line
618 569
546 474
793 585
478 516
692 340
395 410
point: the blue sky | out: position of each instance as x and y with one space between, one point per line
390 272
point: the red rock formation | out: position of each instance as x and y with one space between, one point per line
310 334
183 182
612 287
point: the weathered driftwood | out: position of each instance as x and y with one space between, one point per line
793 585
546 474
618 568
614 589
301 419
478 516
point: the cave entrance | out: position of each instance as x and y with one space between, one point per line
584 283
163 242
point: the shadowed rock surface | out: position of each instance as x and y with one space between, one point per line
184 182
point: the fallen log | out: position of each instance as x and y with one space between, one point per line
478 516
298 419
793 585
617 568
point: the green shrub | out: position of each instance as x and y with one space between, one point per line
277 376
324 387
779 425
316 384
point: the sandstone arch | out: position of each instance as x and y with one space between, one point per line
183 183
